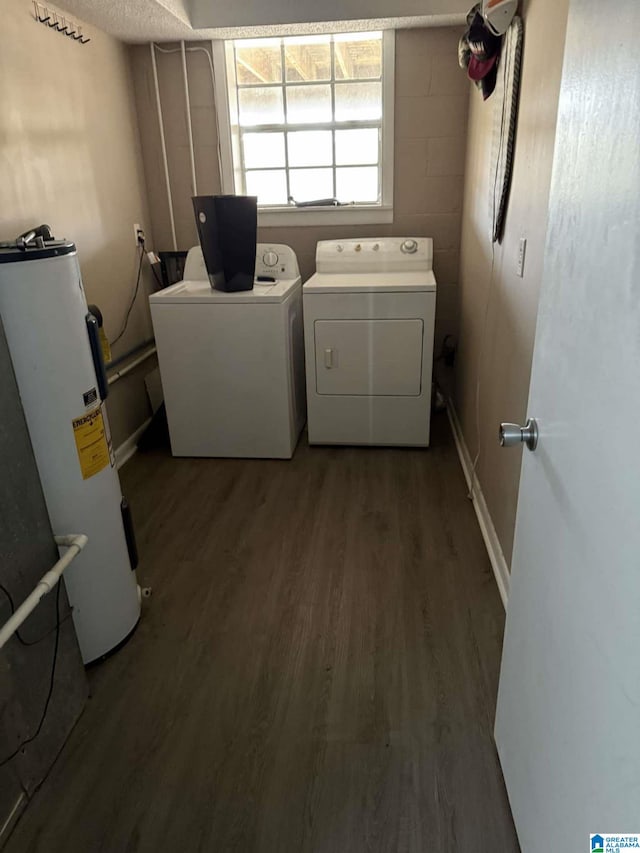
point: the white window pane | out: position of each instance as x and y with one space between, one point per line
311 184
307 58
270 187
358 56
308 104
258 61
358 101
310 148
263 149
260 106
357 146
359 184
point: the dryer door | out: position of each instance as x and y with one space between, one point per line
369 357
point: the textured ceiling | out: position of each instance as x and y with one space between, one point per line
168 20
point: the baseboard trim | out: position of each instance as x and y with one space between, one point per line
491 541
129 446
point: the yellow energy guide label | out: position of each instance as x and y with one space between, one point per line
92 443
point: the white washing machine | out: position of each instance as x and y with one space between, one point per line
369 314
232 364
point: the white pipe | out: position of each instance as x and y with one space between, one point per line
220 102
187 102
5 828
74 543
132 365
163 144
215 99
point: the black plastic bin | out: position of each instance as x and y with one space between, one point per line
172 267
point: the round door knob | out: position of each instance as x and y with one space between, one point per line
512 434
409 247
270 259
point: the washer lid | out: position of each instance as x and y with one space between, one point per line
202 292
394 282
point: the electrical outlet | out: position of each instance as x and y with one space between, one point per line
522 251
138 231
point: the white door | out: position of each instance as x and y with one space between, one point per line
568 718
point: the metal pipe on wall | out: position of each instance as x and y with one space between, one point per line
131 365
129 353
187 102
163 145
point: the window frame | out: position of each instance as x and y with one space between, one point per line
286 215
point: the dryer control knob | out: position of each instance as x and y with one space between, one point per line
409 247
270 259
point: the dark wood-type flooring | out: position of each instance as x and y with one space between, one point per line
315 671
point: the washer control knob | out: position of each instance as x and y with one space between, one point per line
270 259
409 247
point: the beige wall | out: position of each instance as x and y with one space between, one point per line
505 360
430 136
70 156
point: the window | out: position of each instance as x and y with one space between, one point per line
305 118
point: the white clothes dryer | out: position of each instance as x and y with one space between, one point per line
369 315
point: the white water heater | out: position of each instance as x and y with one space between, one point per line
57 359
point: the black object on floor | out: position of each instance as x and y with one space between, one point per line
156 435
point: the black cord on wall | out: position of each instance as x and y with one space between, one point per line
43 716
135 294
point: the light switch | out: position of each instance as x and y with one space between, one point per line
522 250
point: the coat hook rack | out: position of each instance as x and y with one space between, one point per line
57 22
